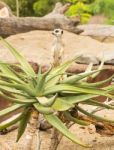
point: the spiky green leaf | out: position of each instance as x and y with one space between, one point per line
99 68
18 101
100 104
8 73
77 98
41 79
25 65
9 122
94 116
75 120
96 84
55 73
42 109
75 78
61 104
57 123
47 101
10 109
66 87
23 123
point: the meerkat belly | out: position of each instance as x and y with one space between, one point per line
57 51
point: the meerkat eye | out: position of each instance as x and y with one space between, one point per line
57 31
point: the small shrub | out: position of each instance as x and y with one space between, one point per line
49 93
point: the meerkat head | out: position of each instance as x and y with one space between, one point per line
57 32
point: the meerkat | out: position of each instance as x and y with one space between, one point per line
57 52
57 47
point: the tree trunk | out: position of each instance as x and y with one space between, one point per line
11 26
17 8
55 140
56 19
31 130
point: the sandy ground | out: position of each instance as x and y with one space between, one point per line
86 134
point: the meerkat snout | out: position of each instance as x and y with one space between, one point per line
57 32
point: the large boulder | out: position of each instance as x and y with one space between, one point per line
100 32
108 62
36 46
87 59
5 11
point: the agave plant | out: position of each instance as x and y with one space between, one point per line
48 93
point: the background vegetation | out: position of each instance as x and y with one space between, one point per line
83 9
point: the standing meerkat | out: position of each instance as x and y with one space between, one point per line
57 47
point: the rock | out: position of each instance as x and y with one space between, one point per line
5 11
91 129
87 59
97 19
109 62
103 33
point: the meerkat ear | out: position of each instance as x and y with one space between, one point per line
62 31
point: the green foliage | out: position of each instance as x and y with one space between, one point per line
80 9
105 7
49 92
25 7
83 9
12 4
33 7
43 7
